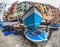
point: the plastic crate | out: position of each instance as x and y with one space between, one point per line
7 32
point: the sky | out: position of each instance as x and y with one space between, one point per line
55 3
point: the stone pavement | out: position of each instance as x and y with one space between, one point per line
13 41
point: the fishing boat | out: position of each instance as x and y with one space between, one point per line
32 19
55 25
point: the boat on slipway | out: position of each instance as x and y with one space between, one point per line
32 19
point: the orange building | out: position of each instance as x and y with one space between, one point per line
13 8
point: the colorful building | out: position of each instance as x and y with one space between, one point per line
24 6
54 12
44 10
19 9
9 15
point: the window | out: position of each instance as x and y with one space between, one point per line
1 7
0 10
24 2
24 10
19 10
24 5
29 3
46 14
53 11
46 6
44 10
49 14
0 4
20 3
48 9
43 5
20 6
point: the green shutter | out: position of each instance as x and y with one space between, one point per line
24 5
24 10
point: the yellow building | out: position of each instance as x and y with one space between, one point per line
45 11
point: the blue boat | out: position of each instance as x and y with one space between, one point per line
32 19
36 37
56 25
